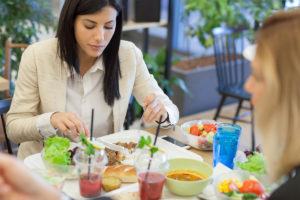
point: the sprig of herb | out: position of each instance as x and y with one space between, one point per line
147 142
89 149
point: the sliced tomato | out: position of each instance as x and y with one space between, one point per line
194 130
210 127
252 186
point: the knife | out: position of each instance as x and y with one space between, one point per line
111 145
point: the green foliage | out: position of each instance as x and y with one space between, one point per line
22 21
233 13
147 142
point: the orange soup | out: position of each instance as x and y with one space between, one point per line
185 175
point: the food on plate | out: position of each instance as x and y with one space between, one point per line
110 183
248 189
114 157
126 173
255 163
56 151
185 175
130 146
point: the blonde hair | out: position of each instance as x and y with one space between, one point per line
278 112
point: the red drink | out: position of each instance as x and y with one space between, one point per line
151 188
90 187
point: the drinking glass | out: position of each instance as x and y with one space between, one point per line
89 171
151 171
225 143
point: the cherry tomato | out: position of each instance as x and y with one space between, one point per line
252 186
194 130
210 127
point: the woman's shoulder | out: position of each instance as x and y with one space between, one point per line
288 190
44 47
129 50
127 46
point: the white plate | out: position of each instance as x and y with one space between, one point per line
172 150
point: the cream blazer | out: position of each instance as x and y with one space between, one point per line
42 84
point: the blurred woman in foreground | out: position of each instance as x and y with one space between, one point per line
275 88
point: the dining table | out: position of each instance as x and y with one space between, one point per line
71 187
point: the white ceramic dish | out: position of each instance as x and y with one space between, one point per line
198 142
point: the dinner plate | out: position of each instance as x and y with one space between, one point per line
172 150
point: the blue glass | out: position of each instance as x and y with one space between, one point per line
225 143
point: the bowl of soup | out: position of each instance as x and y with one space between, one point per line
188 177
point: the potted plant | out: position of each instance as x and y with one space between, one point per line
22 21
199 74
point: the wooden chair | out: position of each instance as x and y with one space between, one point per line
231 70
4 107
7 65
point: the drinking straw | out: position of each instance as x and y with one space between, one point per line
156 135
157 130
91 137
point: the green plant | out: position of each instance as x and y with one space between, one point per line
234 13
156 66
22 21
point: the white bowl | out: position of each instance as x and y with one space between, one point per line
198 142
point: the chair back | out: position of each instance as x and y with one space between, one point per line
7 65
4 107
229 44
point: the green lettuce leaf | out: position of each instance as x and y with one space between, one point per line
255 163
56 150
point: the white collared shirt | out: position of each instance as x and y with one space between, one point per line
83 94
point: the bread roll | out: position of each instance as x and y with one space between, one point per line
126 173
110 183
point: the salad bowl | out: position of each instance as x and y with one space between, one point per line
239 185
199 133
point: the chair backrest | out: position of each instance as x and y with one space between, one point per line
7 65
4 107
229 44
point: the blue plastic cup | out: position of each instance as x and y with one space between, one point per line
225 143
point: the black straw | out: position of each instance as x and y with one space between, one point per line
91 137
155 139
157 131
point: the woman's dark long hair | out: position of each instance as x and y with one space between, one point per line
67 49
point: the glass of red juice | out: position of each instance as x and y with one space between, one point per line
89 171
151 174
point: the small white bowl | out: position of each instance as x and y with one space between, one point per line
198 142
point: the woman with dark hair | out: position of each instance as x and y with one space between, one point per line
86 66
